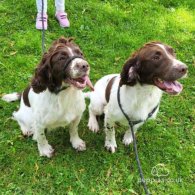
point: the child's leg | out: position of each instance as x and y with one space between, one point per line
40 20
60 5
60 13
39 6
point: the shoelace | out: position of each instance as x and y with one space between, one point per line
63 16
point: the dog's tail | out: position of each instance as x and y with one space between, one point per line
87 95
11 97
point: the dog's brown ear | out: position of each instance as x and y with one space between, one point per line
129 73
42 77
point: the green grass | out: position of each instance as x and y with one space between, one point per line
107 32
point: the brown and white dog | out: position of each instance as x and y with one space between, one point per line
145 75
54 97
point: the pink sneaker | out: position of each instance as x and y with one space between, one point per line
62 19
39 19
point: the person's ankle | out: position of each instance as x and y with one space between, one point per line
60 12
40 13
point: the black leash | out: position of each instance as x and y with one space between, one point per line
43 28
131 124
149 115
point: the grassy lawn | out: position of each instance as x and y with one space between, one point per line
107 31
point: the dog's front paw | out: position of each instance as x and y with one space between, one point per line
93 125
78 144
46 150
111 147
27 133
127 140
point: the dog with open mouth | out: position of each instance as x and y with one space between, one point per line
54 97
149 72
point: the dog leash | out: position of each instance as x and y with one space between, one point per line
43 28
131 124
149 116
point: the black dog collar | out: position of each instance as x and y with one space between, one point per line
70 59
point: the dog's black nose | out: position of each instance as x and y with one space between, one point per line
84 66
182 68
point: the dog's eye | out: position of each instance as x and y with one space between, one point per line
77 51
156 57
170 50
61 58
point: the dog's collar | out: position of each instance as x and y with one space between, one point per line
133 123
58 90
70 59
149 116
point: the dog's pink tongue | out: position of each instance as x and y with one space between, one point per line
174 86
89 83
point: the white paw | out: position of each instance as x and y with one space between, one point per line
127 140
46 150
11 97
78 144
93 125
110 146
27 133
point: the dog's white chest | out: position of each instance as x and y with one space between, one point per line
68 108
136 102
62 109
